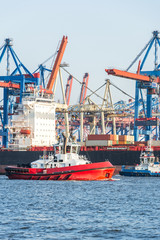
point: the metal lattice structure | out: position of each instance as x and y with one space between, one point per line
147 85
17 80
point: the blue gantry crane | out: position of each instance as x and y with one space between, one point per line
17 83
16 80
148 81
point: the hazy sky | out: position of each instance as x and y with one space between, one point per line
101 34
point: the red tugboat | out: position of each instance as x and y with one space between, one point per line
65 164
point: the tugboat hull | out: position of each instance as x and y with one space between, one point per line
134 173
93 171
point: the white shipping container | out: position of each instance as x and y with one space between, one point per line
95 143
130 138
154 143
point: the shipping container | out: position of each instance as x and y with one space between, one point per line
122 142
126 138
102 137
98 143
154 143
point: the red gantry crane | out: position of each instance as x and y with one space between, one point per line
68 89
84 88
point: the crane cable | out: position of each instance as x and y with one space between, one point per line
122 90
94 92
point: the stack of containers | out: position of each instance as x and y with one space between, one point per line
102 140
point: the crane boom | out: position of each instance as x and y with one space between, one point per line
84 88
129 75
57 63
68 89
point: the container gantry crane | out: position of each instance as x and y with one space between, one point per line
147 80
18 80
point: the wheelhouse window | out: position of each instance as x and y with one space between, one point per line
57 149
78 149
74 149
68 149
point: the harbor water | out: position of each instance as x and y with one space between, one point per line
128 208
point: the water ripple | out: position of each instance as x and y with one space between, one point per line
44 210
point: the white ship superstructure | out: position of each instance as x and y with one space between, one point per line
33 123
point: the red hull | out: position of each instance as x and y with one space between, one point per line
93 171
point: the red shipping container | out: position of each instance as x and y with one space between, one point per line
101 137
122 137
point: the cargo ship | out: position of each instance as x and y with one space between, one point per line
32 130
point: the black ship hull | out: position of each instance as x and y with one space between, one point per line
117 158
18 158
